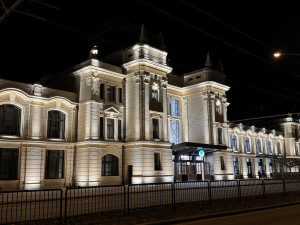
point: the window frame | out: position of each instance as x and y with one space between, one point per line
234 140
258 144
155 133
15 130
12 165
62 134
247 146
110 129
157 161
113 161
61 164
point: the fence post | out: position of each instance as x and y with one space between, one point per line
209 193
128 207
239 191
264 188
124 193
283 187
61 199
66 200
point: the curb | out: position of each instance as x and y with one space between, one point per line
216 215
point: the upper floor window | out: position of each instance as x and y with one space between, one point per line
258 146
219 135
218 107
110 129
54 164
154 95
110 165
269 147
155 125
278 148
174 107
56 124
111 93
175 132
247 146
9 161
120 95
10 117
233 142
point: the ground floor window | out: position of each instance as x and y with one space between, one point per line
54 164
249 167
9 159
222 161
271 167
110 165
157 161
236 165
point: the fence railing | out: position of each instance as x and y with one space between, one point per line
35 205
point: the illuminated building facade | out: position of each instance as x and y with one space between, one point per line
128 119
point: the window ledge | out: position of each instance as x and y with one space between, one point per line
56 139
10 136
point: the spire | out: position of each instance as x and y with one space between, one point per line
143 36
220 64
161 42
208 63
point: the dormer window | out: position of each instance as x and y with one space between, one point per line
155 90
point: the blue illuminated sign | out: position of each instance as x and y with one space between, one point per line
201 153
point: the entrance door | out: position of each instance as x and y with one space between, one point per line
191 172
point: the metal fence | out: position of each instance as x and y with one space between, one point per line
36 205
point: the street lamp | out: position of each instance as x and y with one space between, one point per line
278 54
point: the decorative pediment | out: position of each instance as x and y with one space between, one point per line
111 110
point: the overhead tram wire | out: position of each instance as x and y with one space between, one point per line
219 39
237 30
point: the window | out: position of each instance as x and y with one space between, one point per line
269 149
174 107
56 124
102 91
278 148
110 129
198 77
10 117
260 165
233 143
249 168
218 107
120 130
155 95
271 167
236 165
9 160
157 163
219 135
110 165
222 161
120 95
247 147
258 146
101 128
111 93
190 79
175 132
155 125
54 164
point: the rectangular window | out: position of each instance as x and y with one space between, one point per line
120 95
155 124
219 136
9 159
120 130
101 128
111 93
157 163
54 164
102 91
110 128
155 95
236 165
222 163
174 107
249 168
175 132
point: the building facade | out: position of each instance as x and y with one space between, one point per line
127 119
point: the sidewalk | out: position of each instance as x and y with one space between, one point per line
168 215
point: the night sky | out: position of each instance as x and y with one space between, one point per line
46 37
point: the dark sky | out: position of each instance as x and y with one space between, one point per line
46 37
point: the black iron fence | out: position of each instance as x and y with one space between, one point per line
35 205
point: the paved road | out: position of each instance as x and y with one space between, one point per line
280 216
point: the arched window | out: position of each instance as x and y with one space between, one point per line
278 148
56 124
258 146
110 165
269 147
233 143
247 146
10 117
